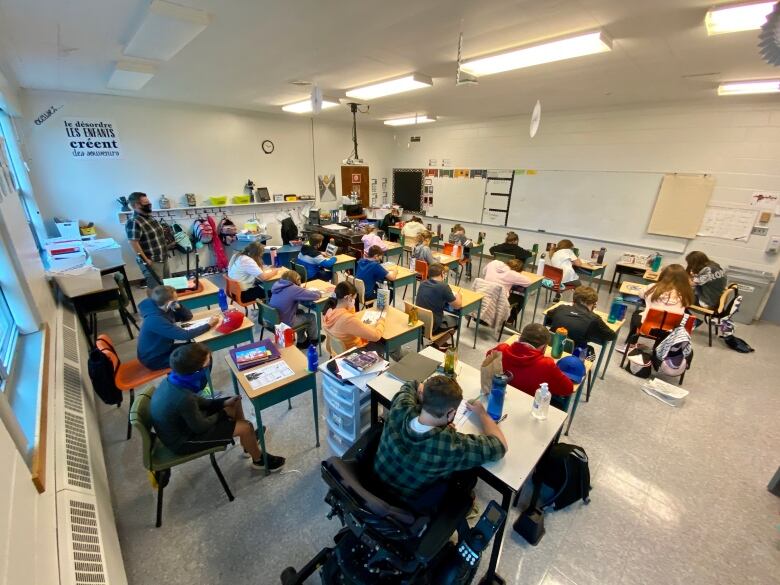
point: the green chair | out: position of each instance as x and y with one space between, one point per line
534 257
503 257
268 318
118 304
301 272
158 459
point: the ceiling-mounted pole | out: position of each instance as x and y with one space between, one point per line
353 107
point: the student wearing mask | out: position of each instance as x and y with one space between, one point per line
187 423
341 322
371 271
434 294
708 278
147 239
317 264
247 268
422 248
412 229
421 457
371 238
510 246
583 325
159 330
286 293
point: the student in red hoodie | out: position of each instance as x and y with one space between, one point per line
529 366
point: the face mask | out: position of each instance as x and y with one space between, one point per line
173 305
195 382
146 208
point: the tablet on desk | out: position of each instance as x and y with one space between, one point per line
178 282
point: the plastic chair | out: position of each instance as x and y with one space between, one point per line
534 256
269 318
158 459
333 345
503 257
556 275
301 270
713 317
127 375
117 304
457 252
426 316
233 290
361 291
421 268
656 321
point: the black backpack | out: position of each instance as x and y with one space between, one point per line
289 230
564 469
101 372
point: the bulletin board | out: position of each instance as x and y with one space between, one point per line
408 188
681 205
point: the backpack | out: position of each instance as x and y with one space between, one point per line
182 239
202 231
563 468
672 350
227 230
101 372
170 237
289 230
639 362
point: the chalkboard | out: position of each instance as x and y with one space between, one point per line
407 188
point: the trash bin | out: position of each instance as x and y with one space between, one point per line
753 286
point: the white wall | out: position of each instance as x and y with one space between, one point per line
738 142
172 149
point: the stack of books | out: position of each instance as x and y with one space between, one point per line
255 354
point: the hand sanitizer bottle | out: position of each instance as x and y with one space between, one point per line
541 402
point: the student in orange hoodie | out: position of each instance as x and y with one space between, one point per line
529 366
341 323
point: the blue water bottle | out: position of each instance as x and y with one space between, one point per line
311 356
222 300
614 310
497 393
622 310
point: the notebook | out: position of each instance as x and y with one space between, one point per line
254 354
413 366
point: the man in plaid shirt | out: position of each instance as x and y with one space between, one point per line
420 451
147 239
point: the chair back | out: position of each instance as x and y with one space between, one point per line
424 315
361 288
333 345
664 321
455 250
141 419
301 270
534 254
727 299
503 257
104 344
421 268
553 273
268 316
233 290
119 279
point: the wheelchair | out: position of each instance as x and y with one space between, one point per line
381 543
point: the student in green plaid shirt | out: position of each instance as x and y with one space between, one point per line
420 451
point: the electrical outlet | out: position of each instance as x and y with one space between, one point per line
759 231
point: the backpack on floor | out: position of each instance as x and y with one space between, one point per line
202 231
101 372
227 230
182 239
639 362
564 469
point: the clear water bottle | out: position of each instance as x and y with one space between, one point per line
222 300
273 257
312 358
541 402
496 398
540 265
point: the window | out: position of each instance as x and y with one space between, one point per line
8 336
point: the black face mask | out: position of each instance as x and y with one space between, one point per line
146 208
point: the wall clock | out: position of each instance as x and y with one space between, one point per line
268 146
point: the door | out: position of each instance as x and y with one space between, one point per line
355 178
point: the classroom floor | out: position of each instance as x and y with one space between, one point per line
679 495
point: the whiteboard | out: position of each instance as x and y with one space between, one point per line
606 206
457 199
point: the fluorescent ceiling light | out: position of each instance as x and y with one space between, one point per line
586 44
735 18
304 107
749 87
131 76
391 87
166 29
421 119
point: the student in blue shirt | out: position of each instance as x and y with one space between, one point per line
317 264
371 271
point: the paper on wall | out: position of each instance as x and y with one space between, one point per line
765 199
728 223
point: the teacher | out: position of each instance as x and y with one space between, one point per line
147 239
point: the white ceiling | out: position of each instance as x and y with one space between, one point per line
252 49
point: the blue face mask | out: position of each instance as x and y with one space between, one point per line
196 381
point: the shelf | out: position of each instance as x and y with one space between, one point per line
170 212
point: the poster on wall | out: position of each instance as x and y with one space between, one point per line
327 185
90 139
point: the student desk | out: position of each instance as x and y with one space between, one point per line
471 300
215 340
527 437
203 298
301 381
614 326
451 262
634 289
592 272
87 302
397 331
622 268
536 285
394 231
470 252
404 277
121 269
578 392
343 262
393 249
651 275
318 306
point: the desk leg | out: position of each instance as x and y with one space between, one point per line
609 356
374 410
491 578
318 313
414 291
235 383
536 304
577 401
616 274
476 327
599 361
419 339
128 289
601 279
316 414
479 270
460 320
261 437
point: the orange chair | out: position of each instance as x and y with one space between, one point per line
457 251
556 275
421 268
655 321
233 290
128 375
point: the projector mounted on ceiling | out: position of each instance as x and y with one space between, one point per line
462 77
769 38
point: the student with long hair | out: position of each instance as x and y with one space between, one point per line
422 248
412 229
566 259
286 294
371 238
708 278
341 322
508 275
247 268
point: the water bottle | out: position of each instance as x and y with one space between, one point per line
311 357
496 399
450 361
540 265
600 258
273 257
656 263
541 402
581 353
557 342
614 310
222 300
622 310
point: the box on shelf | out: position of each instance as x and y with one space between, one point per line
105 253
68 229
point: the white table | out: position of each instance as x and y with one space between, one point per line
527 437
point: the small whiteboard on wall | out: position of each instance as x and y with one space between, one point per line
681 204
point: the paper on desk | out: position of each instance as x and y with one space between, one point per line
195 323
334 226
371 316
265 375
